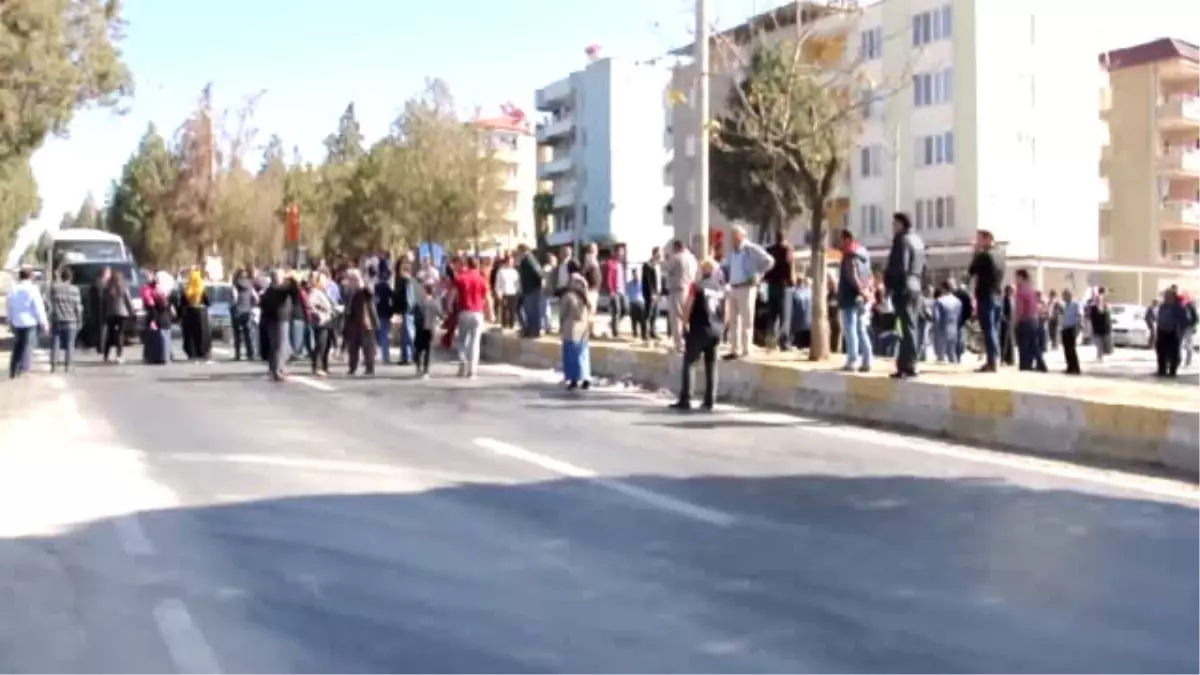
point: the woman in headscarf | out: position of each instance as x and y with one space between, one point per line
157 341
193 312
575 319
362 323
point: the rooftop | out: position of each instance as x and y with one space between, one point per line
784 16
1162 49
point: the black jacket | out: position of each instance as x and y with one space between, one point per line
988 269
905 269
651 284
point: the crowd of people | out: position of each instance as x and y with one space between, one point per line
748 295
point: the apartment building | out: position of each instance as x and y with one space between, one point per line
604 128
1152 159
985 125
514 148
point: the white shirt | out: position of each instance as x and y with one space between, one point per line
508 282
25 306
428 275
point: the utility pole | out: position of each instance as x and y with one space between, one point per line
703 113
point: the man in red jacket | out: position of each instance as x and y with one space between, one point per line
472 291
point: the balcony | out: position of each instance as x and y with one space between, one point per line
554 129
564 200
1180 215
553 95
1178 70
556 166
1184 259
1179 112
1180 162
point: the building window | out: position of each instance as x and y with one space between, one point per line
933 25
934 213
935 150
871 217
950 211
919 214
871 44
1196 247
871 161
1162 246
940 213
933 88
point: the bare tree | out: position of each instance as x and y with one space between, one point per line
796 107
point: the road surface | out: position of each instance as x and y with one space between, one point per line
196 518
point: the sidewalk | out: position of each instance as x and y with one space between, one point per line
1088 418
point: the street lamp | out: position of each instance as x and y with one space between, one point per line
703 113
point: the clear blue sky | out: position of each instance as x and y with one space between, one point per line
312 58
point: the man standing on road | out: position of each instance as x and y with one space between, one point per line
651 290
748 262
26 316
66 316
903 279
472 293
616 275
245 299
405 295
381 289
781 279
853 294
277 303
987 268
1072 321
681 272
529 273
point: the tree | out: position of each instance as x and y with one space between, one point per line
137 207
543 209
443 172
18 199
88 215
56 56
191 199
792 123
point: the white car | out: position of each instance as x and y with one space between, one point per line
1129 327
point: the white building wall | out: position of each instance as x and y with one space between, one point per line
1024 165
617 156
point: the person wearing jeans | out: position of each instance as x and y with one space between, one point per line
853 287
472 302
26 315
66 316
987 268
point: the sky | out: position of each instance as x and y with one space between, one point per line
312 58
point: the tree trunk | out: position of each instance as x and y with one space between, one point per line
819 350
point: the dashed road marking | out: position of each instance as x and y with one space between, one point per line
647 497
311 383
189 651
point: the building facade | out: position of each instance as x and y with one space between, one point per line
987 120
514 149
603 154
1152 159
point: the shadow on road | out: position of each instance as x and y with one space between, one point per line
816 574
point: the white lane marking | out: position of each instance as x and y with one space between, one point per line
222 351
288 463
1151 485
189 651
133 538
654 499
57 383
310 383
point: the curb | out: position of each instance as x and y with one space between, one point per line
1044 424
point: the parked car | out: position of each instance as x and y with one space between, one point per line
1129 327
220 310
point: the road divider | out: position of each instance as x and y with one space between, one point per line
1115 424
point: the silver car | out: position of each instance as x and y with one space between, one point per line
220 310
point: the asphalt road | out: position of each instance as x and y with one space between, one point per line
197 518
